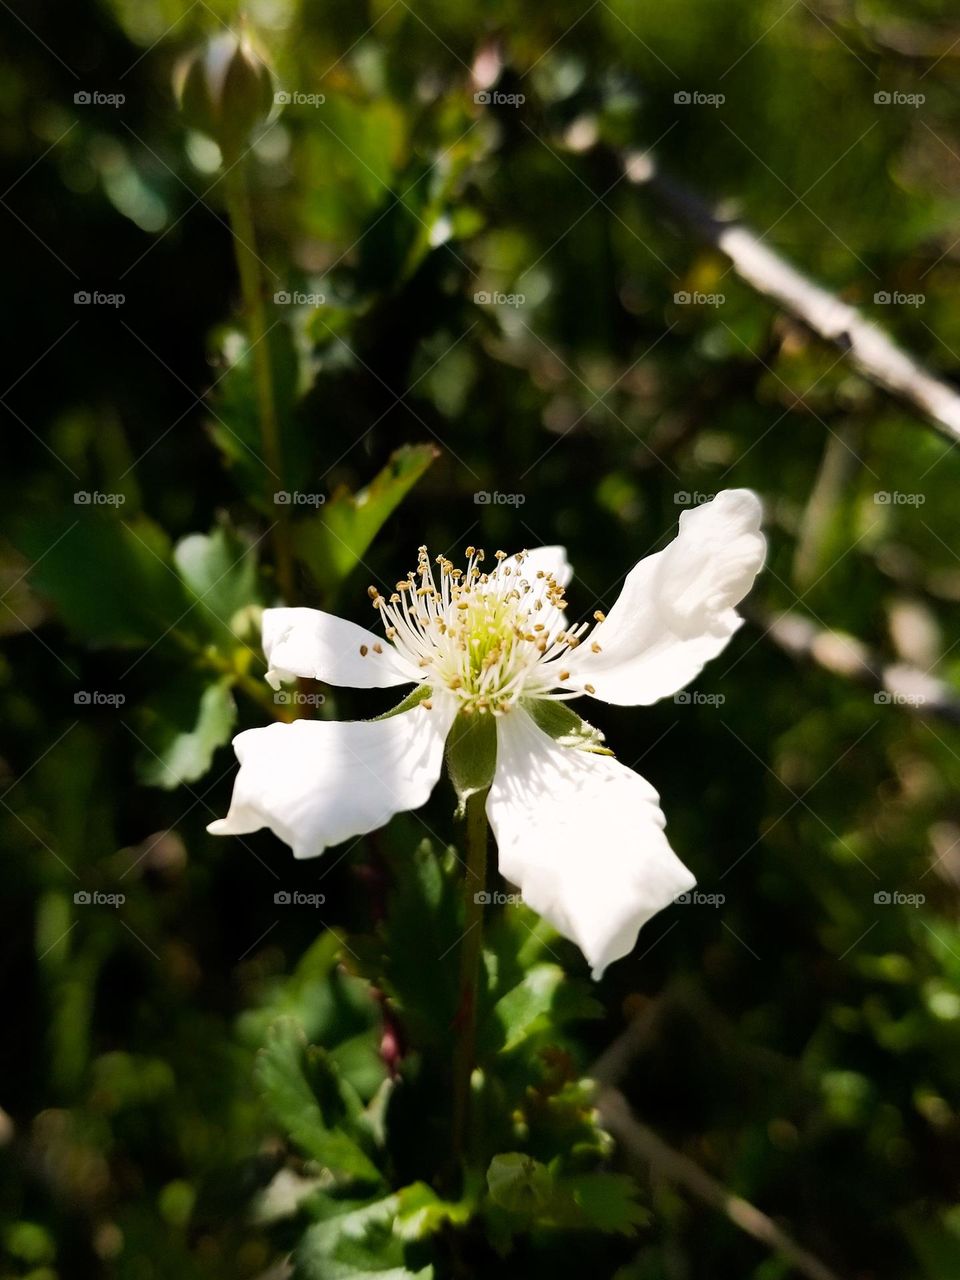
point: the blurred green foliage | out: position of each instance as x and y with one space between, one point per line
804 1036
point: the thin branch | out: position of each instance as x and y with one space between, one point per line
643 1147
873 352
897 683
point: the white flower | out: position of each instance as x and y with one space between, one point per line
580 834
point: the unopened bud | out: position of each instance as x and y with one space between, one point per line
225 89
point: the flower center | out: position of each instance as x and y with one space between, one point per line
489 637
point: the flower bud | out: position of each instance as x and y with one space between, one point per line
225 90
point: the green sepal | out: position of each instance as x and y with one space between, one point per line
413 699
565 727
471 754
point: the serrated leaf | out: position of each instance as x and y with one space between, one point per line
602 1201
184 729
309 1098
332 542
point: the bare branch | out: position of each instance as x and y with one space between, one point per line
873 352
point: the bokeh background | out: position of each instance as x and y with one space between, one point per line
523 321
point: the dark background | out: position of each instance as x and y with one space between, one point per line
804 1037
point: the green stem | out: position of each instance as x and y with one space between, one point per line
471 953
251 285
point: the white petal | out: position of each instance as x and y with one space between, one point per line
317 782
307 642
676 610
583 838
550 562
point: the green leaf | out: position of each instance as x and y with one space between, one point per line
471 755
235 426
602 1201
519 1183
354 1241
526 1008
183 729
111 580
421 1212
424 925
527 1189
220 574
309 1098
332 542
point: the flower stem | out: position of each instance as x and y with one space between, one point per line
252 288
471 952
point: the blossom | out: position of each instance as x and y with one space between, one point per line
579 833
